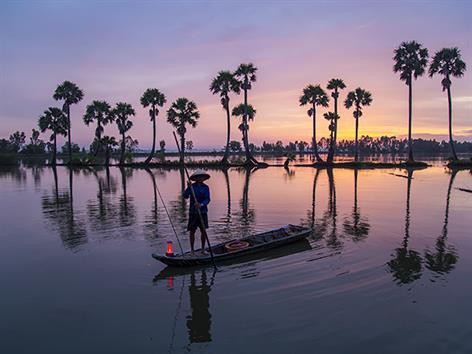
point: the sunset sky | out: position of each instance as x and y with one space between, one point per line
114 50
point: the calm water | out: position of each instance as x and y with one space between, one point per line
387 269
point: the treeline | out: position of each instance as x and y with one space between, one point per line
366 145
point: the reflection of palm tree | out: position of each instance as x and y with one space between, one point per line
58 209
127 210
445 257
406 265
153 220
247 214
199 321
332 212
358 227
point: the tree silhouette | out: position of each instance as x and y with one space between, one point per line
223 84
240 111
108 143
444 257
359 98
154 98
246 74
98 111
411 59
182 112
315 96
121 114
335 85
406 266
70 93
55 120
448 62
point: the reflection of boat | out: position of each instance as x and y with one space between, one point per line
249 245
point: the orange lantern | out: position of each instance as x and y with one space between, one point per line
170 249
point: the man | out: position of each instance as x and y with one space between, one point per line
202 194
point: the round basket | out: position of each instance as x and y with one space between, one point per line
236 245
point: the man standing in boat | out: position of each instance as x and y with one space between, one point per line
202 194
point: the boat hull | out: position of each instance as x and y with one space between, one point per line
259 243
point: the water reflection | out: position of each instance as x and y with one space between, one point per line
406 265
58 210
247 214
127 209
444 257
356 226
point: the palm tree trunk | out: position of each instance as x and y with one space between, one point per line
54 150
249 157
107 156
153 149
314 141
332 141
123 148
451 140
356 154
68 134
99 138
228 131
410 104
182 148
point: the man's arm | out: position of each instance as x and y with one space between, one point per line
206 199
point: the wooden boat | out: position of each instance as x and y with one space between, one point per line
239 248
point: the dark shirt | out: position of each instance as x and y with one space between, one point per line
202 193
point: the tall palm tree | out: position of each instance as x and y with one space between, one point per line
240 111
121 114
180 113
359 98
98 111
224 83
154 98
315 96
335 85
55 120
448 62
246 74
411 59
332 118
70 93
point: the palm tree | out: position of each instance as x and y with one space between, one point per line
55 120
224 83
359 97
315 96
246 74
121 114
154 98
448 62
411 59
70 93
239 111
109 143
335 85
98 111
180 113
332 118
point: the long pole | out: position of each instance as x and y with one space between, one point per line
202 224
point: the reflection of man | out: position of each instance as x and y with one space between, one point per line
199 322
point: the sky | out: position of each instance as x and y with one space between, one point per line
115 50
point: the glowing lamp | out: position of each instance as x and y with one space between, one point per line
170 249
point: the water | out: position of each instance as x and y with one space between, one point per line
387 270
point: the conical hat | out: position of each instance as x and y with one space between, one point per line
199 173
